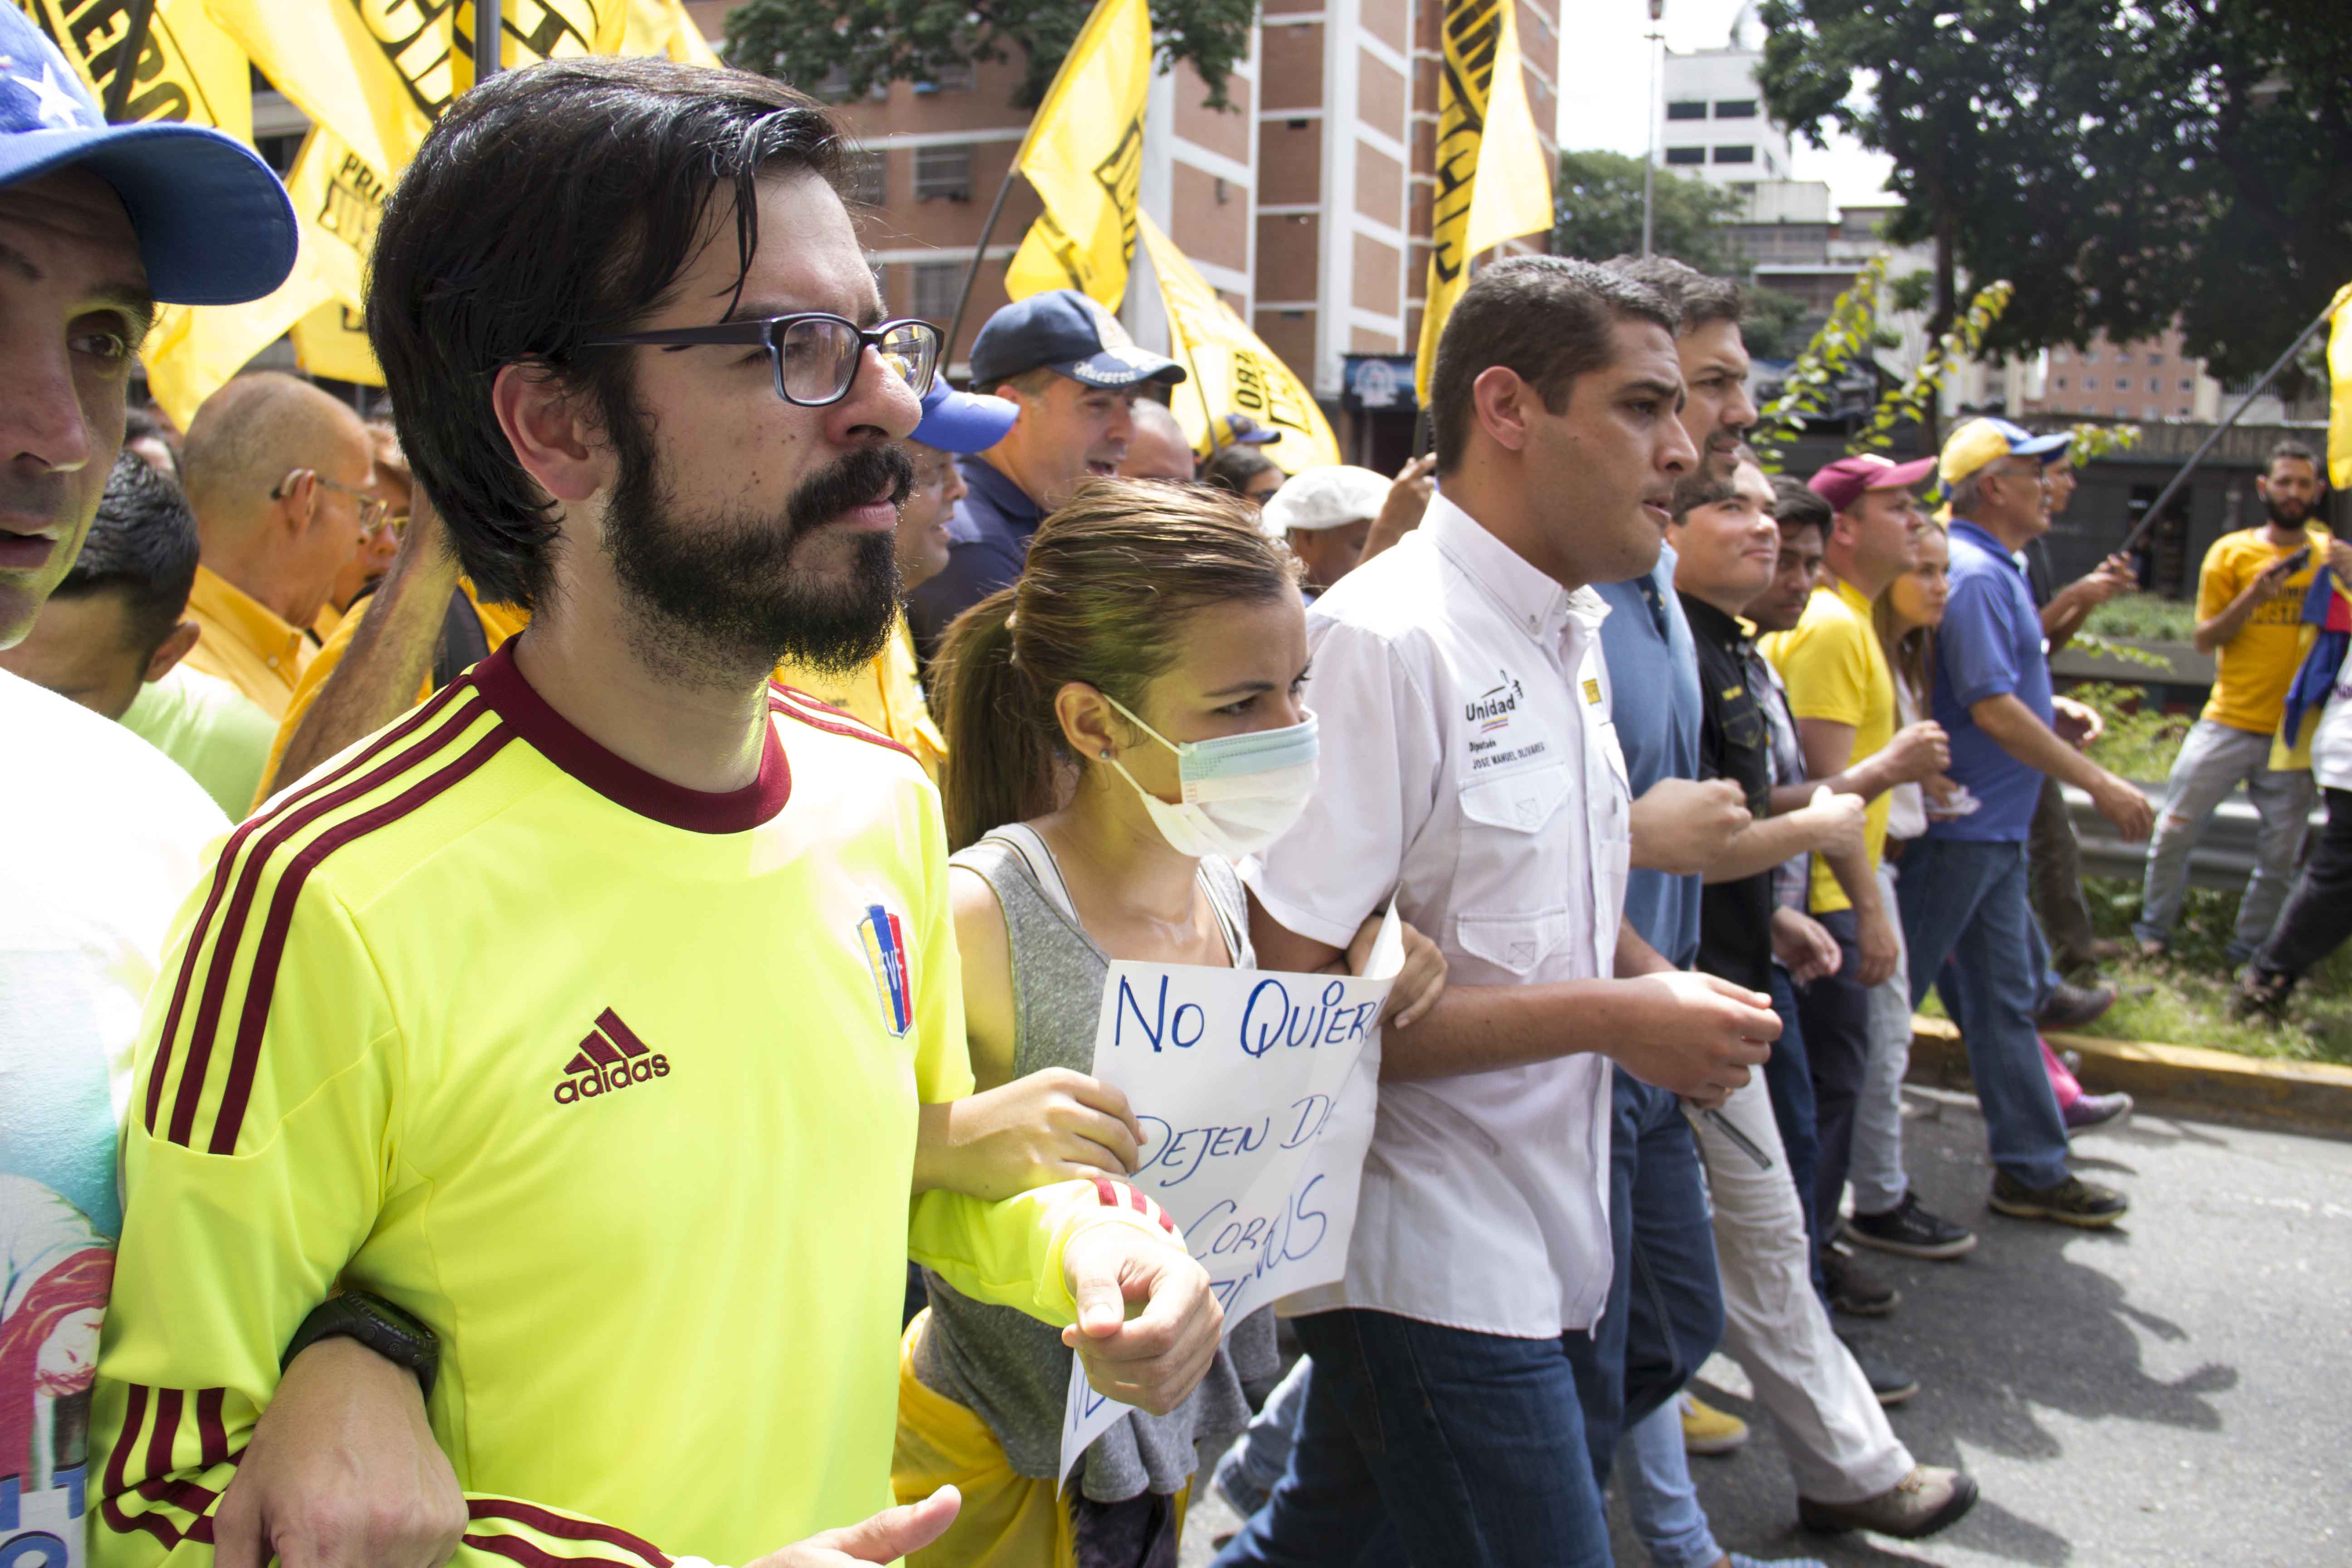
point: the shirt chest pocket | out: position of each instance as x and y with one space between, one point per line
1514 877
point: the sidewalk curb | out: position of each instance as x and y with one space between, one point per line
2188 1079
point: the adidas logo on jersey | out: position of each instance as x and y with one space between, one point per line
610 1059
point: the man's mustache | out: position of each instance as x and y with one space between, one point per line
870 474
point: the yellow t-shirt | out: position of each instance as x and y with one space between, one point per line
2253 670
884 693
612 1083
246 643
1835 669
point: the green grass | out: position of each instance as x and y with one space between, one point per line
2188 991
2140 740
2146 617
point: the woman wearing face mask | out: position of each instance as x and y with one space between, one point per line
1122 723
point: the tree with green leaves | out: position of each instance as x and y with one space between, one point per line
2124 163
866 43
1597 203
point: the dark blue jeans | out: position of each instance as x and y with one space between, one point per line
1836 1012
1665 1315
1966 900
1434 1447
1789 1079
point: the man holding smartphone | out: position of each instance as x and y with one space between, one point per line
2249 615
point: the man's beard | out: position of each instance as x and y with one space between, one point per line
2274 505
716 598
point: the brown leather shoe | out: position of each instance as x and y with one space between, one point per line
1927 1500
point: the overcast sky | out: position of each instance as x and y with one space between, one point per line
1603 93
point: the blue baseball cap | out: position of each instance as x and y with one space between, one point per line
214 226
962 421
1064 332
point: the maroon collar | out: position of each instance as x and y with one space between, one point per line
624 782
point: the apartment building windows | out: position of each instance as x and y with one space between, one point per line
957 78
1686 109
2187 384
936 283
1741 155
944 172
1686 154
2090 383
870 183
1735 109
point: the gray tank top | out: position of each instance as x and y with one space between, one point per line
1004 1365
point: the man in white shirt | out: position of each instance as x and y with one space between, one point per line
96 223
1475 776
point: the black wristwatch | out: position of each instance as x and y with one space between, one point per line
376 1323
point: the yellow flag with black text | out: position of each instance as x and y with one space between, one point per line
1231 369
1084 154
188 70
379 72
2339 390
1494 181
338 196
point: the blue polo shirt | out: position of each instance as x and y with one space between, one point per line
1656 703
988 542
1991 644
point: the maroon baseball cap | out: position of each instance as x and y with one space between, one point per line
1842 483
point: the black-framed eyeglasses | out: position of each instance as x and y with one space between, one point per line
816 353
373 511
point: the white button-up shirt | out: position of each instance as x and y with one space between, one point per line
1469 767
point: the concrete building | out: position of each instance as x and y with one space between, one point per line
2146 381
1712 121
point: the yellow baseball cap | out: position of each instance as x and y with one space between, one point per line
1976 442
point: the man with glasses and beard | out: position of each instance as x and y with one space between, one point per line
585 1014
2249 617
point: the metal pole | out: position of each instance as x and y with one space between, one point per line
489 29
126 57
971 273
1650 164
2148 520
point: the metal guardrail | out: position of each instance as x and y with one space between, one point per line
2222 860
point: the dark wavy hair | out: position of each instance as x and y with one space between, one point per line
552 205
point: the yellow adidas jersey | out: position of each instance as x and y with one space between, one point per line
611 1082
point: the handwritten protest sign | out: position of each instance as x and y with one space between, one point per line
1256 1090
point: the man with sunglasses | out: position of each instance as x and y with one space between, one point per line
593 1014
281 477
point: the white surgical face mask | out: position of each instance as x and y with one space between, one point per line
1241 792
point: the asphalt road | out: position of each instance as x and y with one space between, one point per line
2177 1390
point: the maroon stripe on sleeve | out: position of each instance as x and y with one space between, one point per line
564 1527
271 949
282 827
798 703
261 822
118 1519
621 1034
210 1429
160 1441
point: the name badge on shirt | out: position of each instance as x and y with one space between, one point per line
1591 691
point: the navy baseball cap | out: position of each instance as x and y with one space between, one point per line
1241 430
1064 332
214 226
962 421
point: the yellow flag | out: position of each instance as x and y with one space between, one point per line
2339 389
379 72
337 197
189 70
1493 180
1084 153
332 341
1231 370
663 27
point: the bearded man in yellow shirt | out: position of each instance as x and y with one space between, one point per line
589 1015
2249 617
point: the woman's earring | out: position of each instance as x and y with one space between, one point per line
1106 756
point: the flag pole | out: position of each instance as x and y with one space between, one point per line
488 28
126 57
971 273
2148 519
